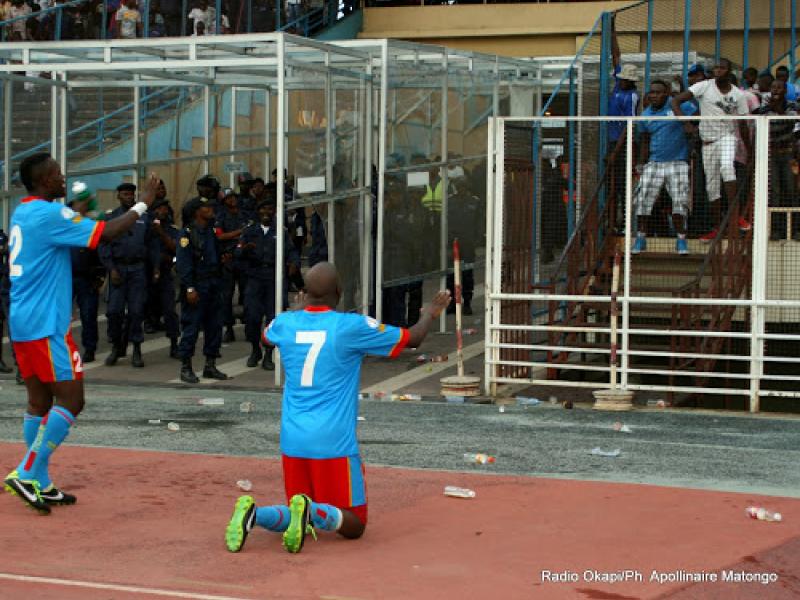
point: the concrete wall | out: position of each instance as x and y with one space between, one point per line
558 29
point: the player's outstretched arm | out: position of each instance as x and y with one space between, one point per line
123 223
429 314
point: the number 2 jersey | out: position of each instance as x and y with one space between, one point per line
40 267
321 351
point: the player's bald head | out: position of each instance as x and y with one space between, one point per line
322 283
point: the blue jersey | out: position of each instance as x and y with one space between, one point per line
321 351
40 266
667 139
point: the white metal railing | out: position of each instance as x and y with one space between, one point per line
765 311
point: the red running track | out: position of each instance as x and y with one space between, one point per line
150 525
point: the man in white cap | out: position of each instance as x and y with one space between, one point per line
623 102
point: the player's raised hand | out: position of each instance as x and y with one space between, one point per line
149 189
439 303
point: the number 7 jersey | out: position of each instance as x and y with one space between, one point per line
40 267
321 351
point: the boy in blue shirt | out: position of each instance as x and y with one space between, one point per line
665 151
321 350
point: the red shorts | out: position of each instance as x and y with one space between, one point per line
55 358
340 482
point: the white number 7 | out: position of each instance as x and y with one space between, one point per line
317 340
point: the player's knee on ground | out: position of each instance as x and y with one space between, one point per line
352 527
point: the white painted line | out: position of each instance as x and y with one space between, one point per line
117 588
425 370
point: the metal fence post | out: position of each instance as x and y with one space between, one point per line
571 144
746 37
626 289
771 51
718 33
759 270
649 45
687 18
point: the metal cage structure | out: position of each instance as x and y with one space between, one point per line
362 126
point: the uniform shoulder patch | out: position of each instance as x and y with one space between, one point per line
67 213
372 323
184 242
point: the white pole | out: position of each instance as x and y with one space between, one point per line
381 177
8 97
206 127
627 270
497 238
231 178
329 109
135 140
281 161
759 267
366 257
54 116
443 221
267 133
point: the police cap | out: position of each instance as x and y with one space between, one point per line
126 187
268 201
209 180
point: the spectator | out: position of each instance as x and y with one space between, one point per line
749 78
171 11
697 73
664 153
156 24
783 154
718 98
294 10
764 84
208 16
623 102
782 74
128 21
20 30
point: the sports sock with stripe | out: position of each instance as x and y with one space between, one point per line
274 518
56 426
326 517
30 427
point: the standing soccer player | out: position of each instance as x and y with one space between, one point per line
42 233
321 350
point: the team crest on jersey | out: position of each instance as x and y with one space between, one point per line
184 242
67 213
374 324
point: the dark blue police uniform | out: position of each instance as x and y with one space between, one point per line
87 279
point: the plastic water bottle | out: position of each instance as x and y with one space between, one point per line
478 459
457 492
762 514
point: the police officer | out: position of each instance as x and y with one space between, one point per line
198 263
247 204
162 293
153 314
88 275
258 250
125 260
230 224
207 187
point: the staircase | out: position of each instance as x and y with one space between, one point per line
721 269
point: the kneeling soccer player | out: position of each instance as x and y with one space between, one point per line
321 350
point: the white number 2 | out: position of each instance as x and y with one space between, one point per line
15 244
76 358
317 340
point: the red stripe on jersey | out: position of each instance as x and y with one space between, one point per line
27 199
398 347
94 239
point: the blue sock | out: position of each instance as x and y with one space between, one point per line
56 423
274 518
30 427
326 517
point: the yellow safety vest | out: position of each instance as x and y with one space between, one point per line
432 200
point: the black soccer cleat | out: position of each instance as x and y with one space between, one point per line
27 491
56 497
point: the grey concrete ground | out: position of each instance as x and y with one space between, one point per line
713 450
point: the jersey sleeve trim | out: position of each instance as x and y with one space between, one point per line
402 343
94 239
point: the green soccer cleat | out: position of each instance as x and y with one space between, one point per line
242 521
28 492
299 525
